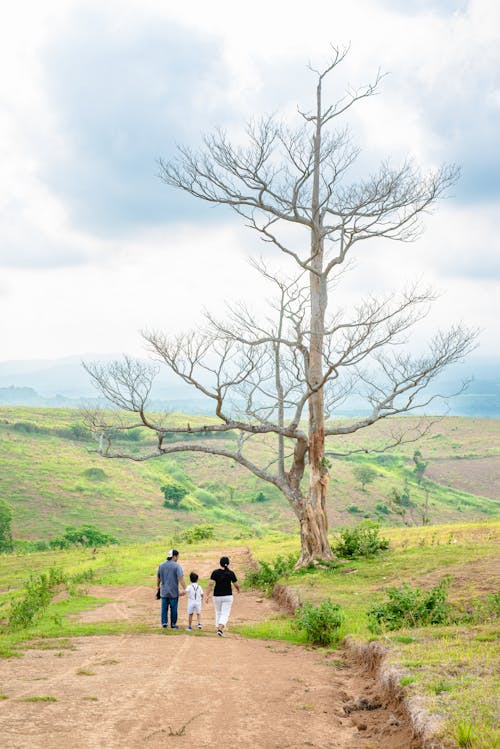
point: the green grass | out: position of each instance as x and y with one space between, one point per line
48 479
453 669
456 676
276 628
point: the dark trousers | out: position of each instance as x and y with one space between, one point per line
165 604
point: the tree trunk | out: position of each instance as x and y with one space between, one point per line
313 517
313 532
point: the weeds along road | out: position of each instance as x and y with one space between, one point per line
189 689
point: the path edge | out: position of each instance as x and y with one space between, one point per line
374 657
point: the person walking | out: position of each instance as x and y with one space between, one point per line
169 576
194 593
221 581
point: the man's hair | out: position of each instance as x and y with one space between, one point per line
193 577
172 553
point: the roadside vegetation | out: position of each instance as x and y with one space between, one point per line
432 599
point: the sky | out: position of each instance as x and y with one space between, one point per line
94 247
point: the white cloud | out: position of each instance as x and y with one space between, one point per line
68 287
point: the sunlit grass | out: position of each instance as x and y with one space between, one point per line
455 670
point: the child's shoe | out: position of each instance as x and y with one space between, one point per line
189 629
200 626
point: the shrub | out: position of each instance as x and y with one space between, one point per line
79 432
320 623
268 573
197 533
87 535
174 494
25 546
38 592
382 508
6 543
353 509
260 497
95 474
361 541
28 427
411 607
479 612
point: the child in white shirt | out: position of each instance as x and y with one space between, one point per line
195 597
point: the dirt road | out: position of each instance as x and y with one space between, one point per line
180 689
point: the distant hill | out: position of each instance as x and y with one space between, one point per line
63 383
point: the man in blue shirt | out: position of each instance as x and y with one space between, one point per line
169 576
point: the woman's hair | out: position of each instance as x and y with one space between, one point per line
224 562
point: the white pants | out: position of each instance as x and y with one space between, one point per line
222 605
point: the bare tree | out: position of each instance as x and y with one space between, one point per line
285 375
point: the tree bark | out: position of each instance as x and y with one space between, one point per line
314 518
314 530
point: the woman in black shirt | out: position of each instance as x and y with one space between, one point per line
221 581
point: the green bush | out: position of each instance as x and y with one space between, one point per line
27 427
87 535
38 593
79 432
6 513
197 533
353 509
411 607
260 497
24 546
479 612
361 541
320 623
382 508
174 494
95 474
268 573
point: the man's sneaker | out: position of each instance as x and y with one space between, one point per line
200 626
164 626
174 626
189 629
220 633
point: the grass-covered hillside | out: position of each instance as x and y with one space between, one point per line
51 478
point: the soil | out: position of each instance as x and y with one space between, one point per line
179 689
480 476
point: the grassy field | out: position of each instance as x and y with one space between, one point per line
453 669
46 476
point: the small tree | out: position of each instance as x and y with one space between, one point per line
282 376
6 514
260 497
420 465
174 494
400 502
364 475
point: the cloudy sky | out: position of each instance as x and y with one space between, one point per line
94 247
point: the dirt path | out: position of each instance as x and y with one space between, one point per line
179 689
